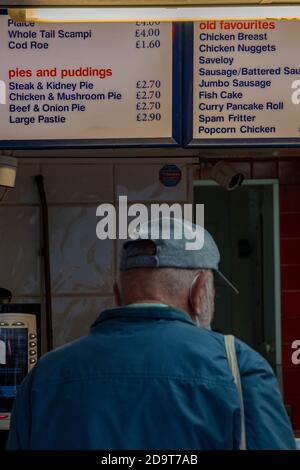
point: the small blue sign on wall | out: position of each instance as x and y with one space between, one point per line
170 175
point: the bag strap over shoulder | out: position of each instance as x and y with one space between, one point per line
234 367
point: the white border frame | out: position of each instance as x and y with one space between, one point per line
277 284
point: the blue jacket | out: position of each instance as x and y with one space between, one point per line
147 378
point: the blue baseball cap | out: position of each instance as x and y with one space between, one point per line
168 250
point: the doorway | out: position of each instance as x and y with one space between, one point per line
245 225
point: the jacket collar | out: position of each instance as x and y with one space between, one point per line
146 312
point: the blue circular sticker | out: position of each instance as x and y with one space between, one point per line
170 175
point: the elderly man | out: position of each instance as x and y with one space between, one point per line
151 374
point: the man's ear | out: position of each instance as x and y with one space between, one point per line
117 295
197 292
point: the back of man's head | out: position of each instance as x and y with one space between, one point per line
161 265
186 289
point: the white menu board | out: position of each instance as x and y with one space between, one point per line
85 81
246 81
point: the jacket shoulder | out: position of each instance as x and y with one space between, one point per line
250 360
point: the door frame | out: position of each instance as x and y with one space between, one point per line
274 183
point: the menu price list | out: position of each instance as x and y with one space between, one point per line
246 80
107 81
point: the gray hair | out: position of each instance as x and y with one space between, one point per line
170 285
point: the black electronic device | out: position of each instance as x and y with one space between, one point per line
19 351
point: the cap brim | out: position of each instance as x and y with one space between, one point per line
222 280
